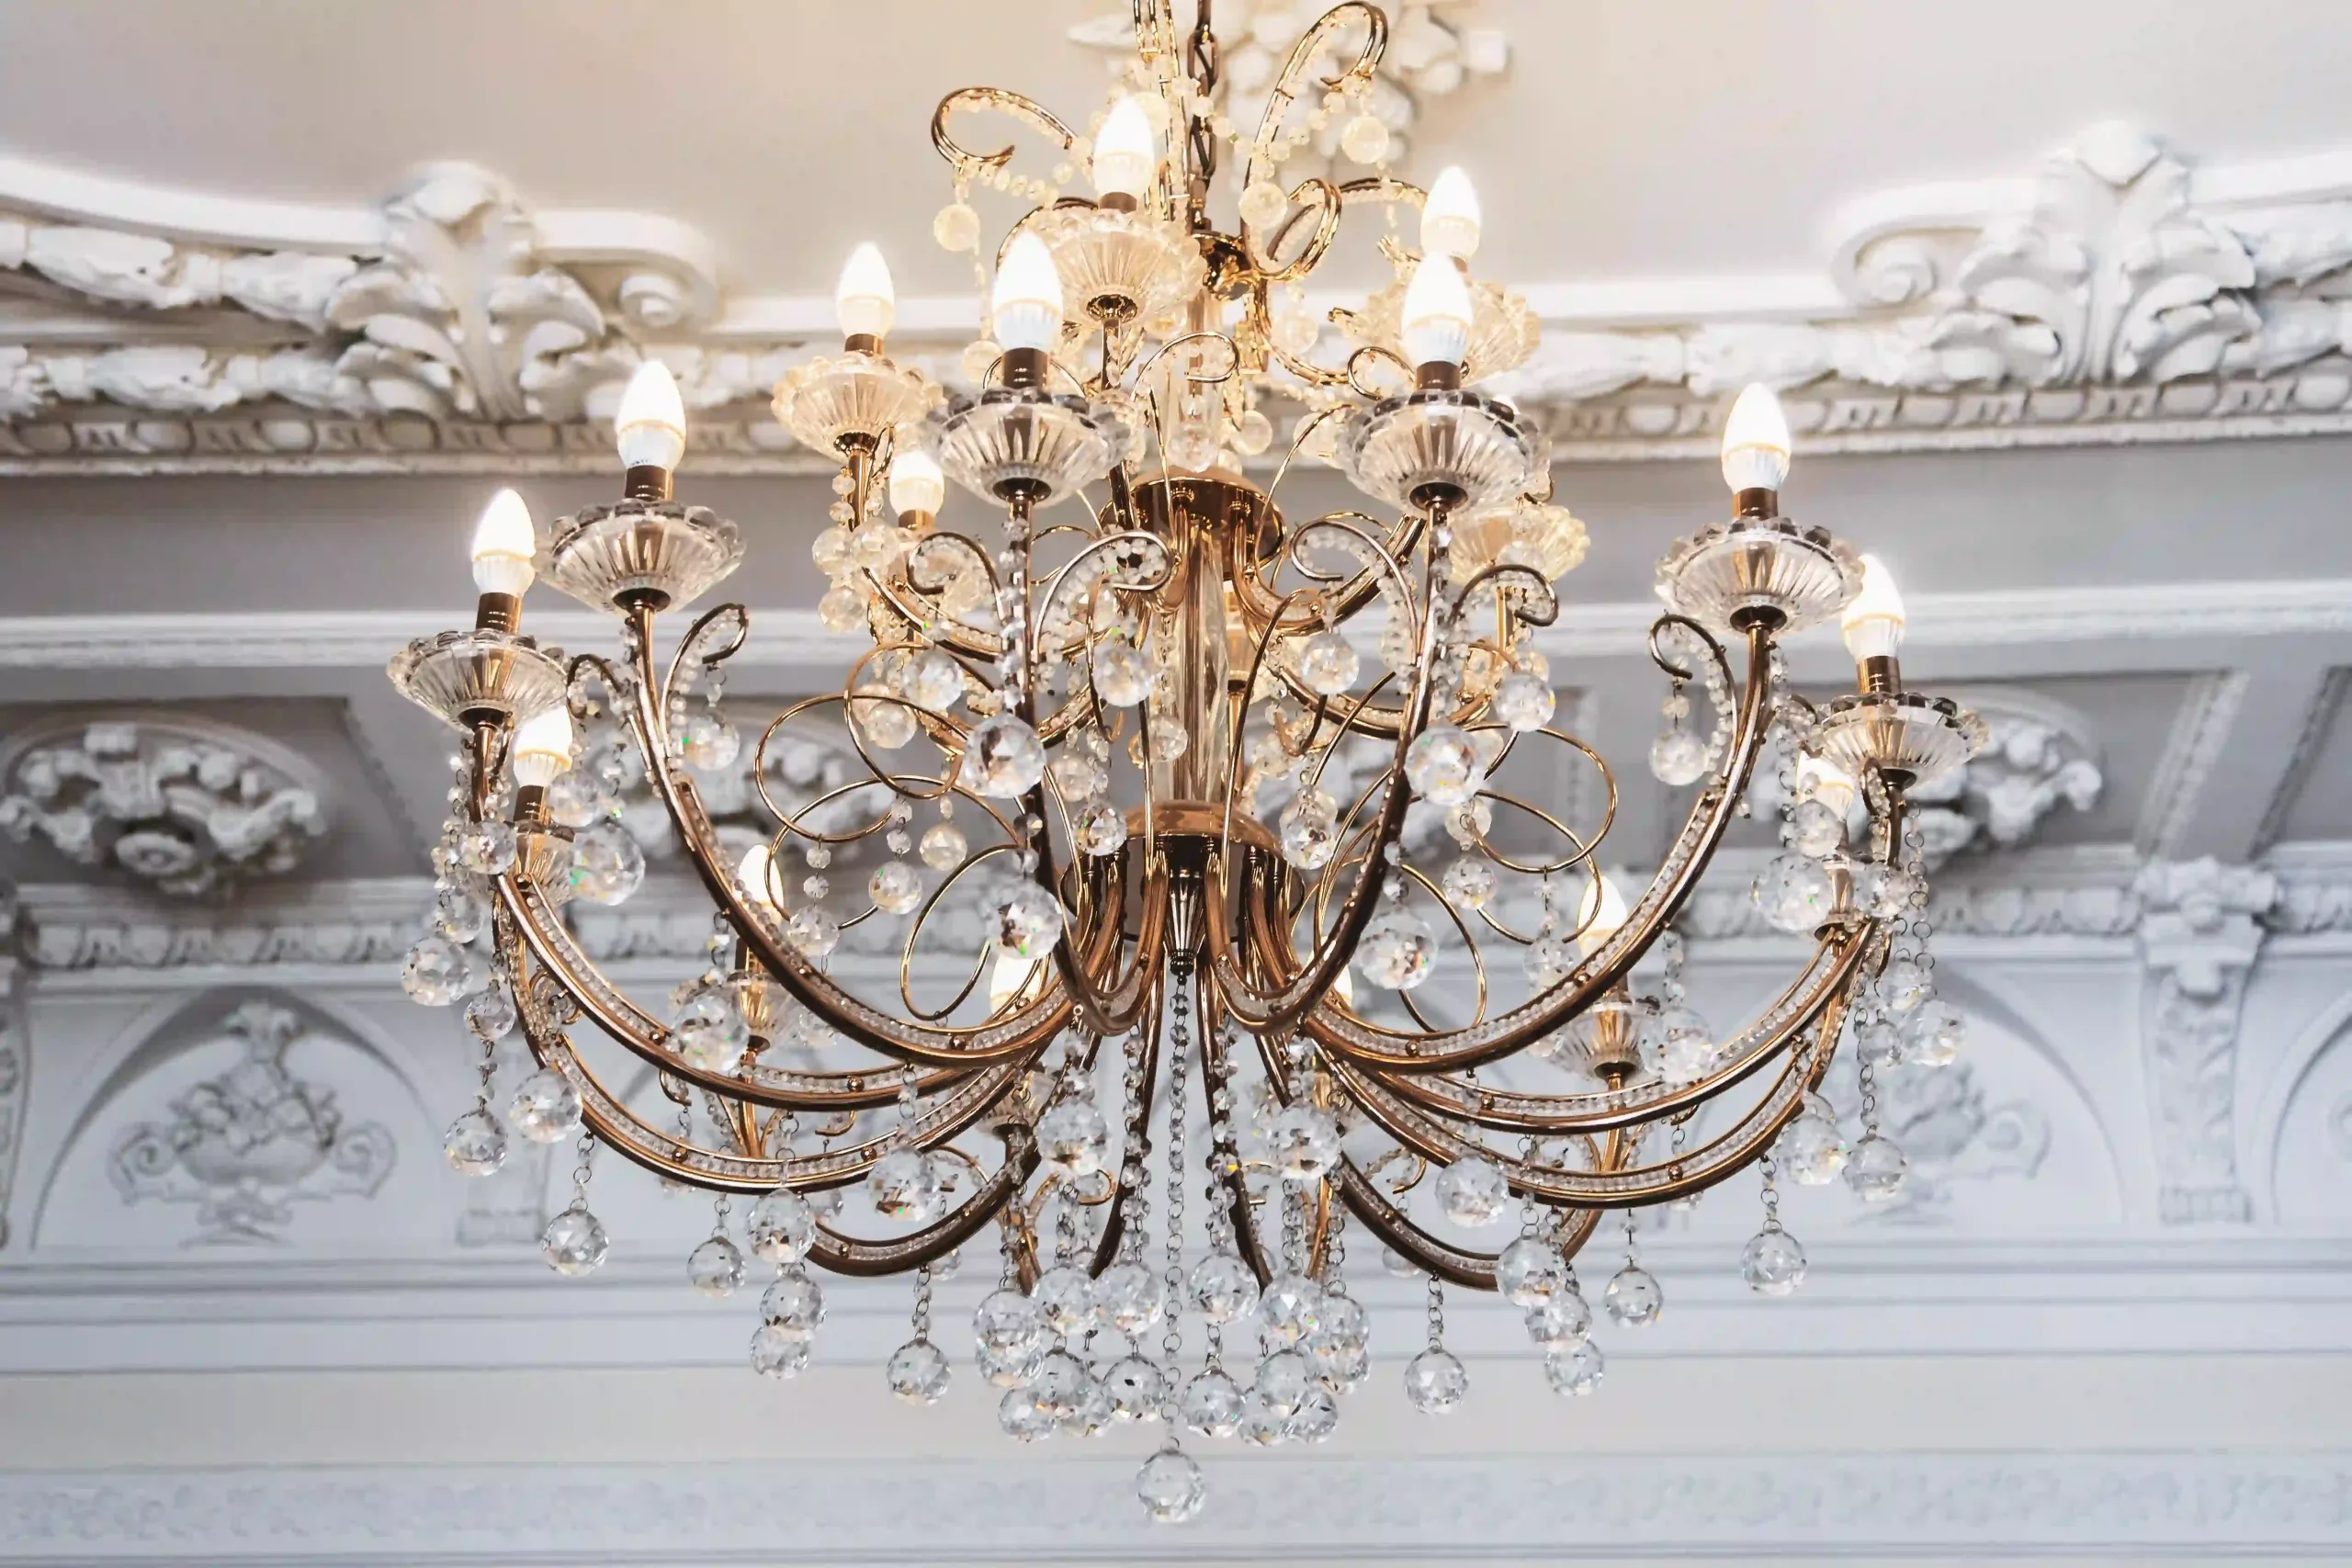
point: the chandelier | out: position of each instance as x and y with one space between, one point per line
1206 888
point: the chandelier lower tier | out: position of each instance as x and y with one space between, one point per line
1152 911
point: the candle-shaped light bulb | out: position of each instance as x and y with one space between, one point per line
1826 782
1027 304
864 300
1756 440
1008 976
503 541
1872 623
1437 313
651 424
1450 215
916 482
543 747
1603 915
1126 153
756 872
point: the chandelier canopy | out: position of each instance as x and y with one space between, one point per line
1172 831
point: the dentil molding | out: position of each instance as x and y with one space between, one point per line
2124 293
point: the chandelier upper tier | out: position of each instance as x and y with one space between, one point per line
1169 841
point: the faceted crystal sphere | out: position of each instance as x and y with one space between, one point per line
709 742
1133 1387
1678 757
812 931
1341 1322
777 1353
932 680
1442 766
546 1107
1317 1417
1365 139
882 724
1077 775
1210 1404
1633 1299
1815 830
1009 1323
1469 883
903 1186
1435 1382
1262 1425
1878 1042
1686 1049
475 1143
1263 203
1887 891
709 1031
487 848
1122 678
1101 828
1074 1136
606 864
1811 1150
1131 1296
1905 985
436 971
781 1226
895 887
1795 893
1932 1034
1396 950
1290 1308
459 912
1876 1169
1523 701
1170 1486
794 1303
1283 1380
956 227
490 1013
918 1372
1027 921
1327 663
1774 1264
577 798
1303 1142
1019 1416
1530 1271
573 1241
1002 758
1060 1385
943 846
1309 830
1223 1287
1574 1369
1010 1370
1066 1301
842 608
831 550
1564 1319
1547 962
715 1268
1473 1191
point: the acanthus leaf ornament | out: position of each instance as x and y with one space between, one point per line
1100 818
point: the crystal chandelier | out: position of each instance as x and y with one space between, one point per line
1176 832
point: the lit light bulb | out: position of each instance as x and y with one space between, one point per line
1872 623
1027 304
1603 915
652 424
503 541
1756 440
916 482
1126 153
543 747
864 300
1009 975
1450 219
1826 782
1437 313
756 872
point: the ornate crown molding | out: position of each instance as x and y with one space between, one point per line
2121 294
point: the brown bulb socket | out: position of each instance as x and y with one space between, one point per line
1880 676
531 805
498 613
862 342
917 522
1755 501
1116 201
646 482
1437 375
1024 368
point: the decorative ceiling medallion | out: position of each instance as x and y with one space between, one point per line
183 806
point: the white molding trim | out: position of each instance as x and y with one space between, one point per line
794 640
1318 1510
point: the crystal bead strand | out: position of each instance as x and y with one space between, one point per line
918 1370
475 1143
1634 1298
1436 1379
1774 1264
716 1266
575 1240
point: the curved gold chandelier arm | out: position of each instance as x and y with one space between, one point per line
1021 1035
971 165
1352 1038
1455 1266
